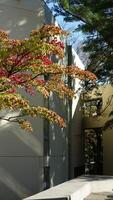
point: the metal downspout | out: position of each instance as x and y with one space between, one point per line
69 62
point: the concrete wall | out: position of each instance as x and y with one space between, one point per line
76 144
58 145
67 146
21 154
79 189
22 158
58 138
76 134
19 17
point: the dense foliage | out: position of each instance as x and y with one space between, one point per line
96 19
23 66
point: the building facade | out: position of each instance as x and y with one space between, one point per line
21 154
30 163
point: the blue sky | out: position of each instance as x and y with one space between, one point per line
75 37
70 26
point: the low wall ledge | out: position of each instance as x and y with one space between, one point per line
78 188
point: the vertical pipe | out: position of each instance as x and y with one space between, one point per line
46 147
69 62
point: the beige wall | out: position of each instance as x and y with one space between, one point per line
106 92
108 152
108 134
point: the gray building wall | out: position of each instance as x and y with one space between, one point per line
21 153
22 159
58 138
75 131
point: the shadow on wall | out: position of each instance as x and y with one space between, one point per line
58 139
20 158
10 184
66 145
19 17
76 141
21 161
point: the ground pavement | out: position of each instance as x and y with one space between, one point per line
100 196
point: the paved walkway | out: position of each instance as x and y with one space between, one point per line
100 196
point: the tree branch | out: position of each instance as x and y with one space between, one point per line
74 15
17 62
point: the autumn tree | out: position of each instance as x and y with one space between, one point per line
23 66
96 22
